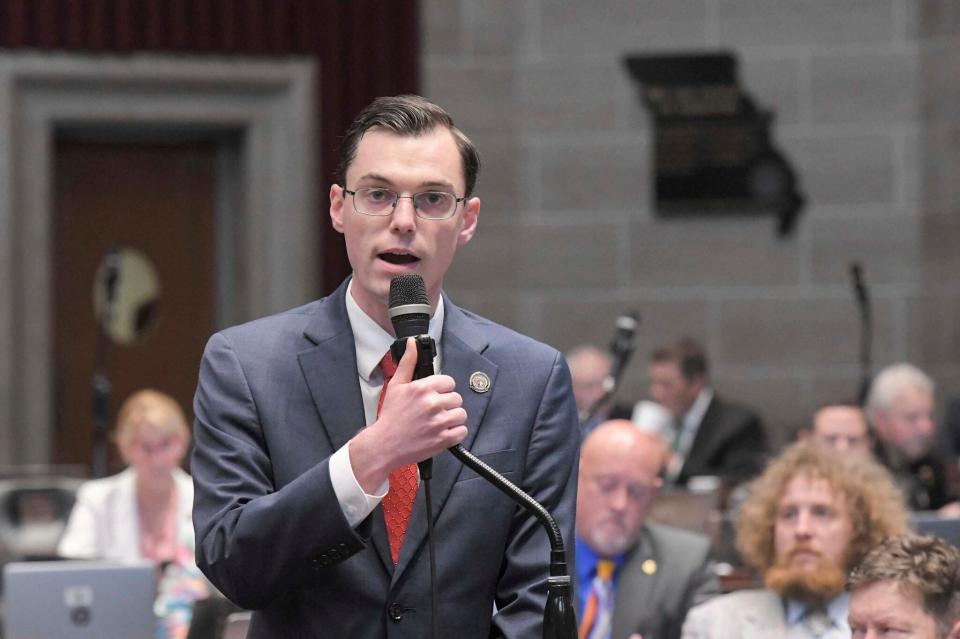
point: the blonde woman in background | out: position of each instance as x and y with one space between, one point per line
144 512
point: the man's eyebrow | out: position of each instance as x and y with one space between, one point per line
376 177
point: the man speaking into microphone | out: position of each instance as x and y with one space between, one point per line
308 508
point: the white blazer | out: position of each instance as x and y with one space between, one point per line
104 523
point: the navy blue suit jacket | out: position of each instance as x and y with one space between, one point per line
277 396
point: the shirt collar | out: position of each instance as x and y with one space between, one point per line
836 609
372 342
587 561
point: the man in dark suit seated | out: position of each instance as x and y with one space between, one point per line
712 436
900 408
633 577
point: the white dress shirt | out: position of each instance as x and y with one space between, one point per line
372 343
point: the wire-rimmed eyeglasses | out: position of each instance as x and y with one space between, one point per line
429 205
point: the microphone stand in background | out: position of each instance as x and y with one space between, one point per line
866 329
621 348
100 386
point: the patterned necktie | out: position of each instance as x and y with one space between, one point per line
598 613
398 502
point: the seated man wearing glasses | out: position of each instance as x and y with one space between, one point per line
633 577
308 507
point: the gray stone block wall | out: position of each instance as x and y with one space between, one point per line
865 97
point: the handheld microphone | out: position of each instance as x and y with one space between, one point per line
410 315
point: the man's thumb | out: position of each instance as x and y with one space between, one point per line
407 363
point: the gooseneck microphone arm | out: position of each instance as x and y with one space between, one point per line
866 329
410 316
559 618
100 384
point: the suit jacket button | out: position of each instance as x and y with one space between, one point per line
396 611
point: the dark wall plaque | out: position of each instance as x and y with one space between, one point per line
713 151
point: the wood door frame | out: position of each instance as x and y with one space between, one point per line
268 241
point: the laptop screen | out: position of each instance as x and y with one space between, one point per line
79 599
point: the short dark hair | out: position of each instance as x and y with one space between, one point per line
927 564
408 115
686 353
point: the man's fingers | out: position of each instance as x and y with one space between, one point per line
407 363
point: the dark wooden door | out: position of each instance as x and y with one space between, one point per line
160 200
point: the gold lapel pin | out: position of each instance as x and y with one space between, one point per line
649 567
480 382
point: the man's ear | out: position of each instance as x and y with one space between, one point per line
336 207
954 632
471 213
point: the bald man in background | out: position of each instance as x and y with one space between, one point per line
658 572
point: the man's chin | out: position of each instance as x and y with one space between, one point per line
609 545
817 582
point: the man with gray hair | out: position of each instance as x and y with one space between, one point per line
908 586
900 408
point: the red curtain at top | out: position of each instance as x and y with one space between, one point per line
364 48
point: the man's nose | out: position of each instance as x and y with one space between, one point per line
619 499
804 523
404 217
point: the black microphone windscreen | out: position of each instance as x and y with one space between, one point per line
408 289
409 306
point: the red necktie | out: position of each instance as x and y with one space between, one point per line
398 502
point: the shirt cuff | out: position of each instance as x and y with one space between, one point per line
354 503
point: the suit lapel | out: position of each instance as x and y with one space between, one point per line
766 618
703 442
634 585
329 368
462 345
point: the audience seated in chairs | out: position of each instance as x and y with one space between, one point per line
144 513
807 520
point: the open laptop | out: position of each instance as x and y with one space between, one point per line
930 523
78 599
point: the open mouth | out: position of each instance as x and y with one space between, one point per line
398 258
